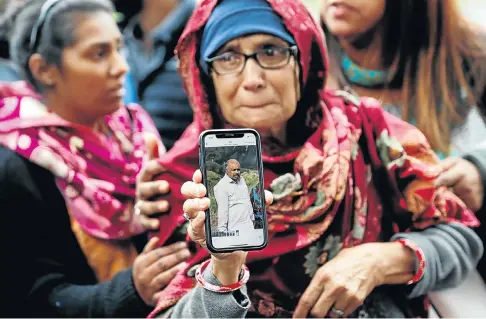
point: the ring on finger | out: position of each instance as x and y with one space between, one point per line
137 209
337 312
187 217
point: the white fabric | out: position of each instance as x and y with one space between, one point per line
235 211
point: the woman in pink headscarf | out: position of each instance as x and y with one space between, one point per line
68 172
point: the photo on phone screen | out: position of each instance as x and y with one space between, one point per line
232 174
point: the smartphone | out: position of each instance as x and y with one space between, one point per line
232 170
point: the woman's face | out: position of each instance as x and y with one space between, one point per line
90 81
351 18
258 98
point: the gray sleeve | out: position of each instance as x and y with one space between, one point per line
477 156
202 303
451 252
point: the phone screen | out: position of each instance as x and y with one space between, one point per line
233 177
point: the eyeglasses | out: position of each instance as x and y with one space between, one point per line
36 30
234 62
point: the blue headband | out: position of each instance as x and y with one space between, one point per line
235 18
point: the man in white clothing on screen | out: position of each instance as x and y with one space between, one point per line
235 212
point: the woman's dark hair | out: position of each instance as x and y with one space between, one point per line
435 57
57 30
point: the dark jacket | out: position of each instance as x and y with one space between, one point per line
45 273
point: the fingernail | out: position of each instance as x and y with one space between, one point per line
164 186
155 224
201 190
163 205
186 253
202 204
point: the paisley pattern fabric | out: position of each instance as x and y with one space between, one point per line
329 190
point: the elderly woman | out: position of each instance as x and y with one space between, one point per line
356 227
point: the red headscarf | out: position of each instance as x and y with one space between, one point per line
352 140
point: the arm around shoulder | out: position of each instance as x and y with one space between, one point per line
477 157
451 252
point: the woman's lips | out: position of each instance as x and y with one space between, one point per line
117 93
255 106
339 10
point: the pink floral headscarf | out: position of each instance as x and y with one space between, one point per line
95 173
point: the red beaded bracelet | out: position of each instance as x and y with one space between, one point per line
221 289
420 257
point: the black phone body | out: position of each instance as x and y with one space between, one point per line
232 169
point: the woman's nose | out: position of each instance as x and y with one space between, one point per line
253 76
120 66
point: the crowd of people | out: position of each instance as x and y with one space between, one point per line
373 147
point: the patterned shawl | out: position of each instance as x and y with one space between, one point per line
95 173
352 142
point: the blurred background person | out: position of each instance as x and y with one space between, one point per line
8 70
71 156
427 65
150 37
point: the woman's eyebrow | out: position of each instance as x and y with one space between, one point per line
93 43
229 46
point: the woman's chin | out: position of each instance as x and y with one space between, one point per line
266 128
261 125
113 107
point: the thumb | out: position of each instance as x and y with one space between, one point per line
151 245
448 163
268 197
450 177
197 230
152 145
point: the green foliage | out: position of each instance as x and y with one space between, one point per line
213 209
213 179
250 177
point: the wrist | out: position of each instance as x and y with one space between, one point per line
419 259
227 271
395 262
214 285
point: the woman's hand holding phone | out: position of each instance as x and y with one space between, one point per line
226 266
232 172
